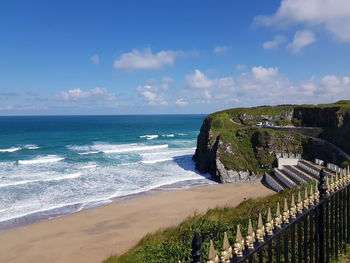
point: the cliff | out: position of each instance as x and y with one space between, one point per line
231 149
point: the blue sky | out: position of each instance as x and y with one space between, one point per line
173 56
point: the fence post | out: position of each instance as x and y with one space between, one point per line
322 188
196 249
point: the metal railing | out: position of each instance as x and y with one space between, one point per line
315 229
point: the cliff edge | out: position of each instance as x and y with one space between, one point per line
233 149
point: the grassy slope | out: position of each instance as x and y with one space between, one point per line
241 139
174 244
245 157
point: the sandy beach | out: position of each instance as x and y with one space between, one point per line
92 235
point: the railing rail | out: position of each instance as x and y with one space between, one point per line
314 229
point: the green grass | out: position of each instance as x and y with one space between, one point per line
174 244
253 155
343 258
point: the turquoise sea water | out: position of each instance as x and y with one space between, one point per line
61 164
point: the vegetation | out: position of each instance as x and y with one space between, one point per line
343 258
253 148
174 244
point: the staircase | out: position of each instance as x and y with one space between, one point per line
291 176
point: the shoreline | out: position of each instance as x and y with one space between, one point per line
67 210
91 236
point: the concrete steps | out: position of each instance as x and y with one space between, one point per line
290 183
291 176
309 167
304 177
273 182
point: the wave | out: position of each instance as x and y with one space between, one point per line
86 153
15 148
138 148
39 211
157 161
149 137
9 150
168 135
40 160
182 134
157 153
69 176
89 166
87 202
124 148
31 147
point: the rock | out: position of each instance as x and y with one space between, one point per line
243 153
206 149
230 176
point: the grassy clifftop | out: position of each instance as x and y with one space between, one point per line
228 137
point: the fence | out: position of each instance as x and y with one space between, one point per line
316 228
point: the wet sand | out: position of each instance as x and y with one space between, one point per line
92 235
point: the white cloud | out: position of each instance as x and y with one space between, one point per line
262 73
146 60
209 89
334 85
278 40
198 80
95 59
332 15
301 39
92 94
151 94
263 85
221 50
23 108
181 102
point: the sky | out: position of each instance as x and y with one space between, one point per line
77 57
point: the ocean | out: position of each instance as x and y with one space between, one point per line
56 165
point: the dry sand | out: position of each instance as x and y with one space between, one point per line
93 235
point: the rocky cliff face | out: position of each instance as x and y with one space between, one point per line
205 156
334 121
234 152
246 157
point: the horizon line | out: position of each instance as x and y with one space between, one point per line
96 115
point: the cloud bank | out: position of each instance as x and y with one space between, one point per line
330 15
95 94
146 59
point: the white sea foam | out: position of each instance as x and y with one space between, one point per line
157 161
86 153
124 148
168 135
31 147
58 178
169 152
40 160
9 150
89 166
149 137
19 215
116 180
